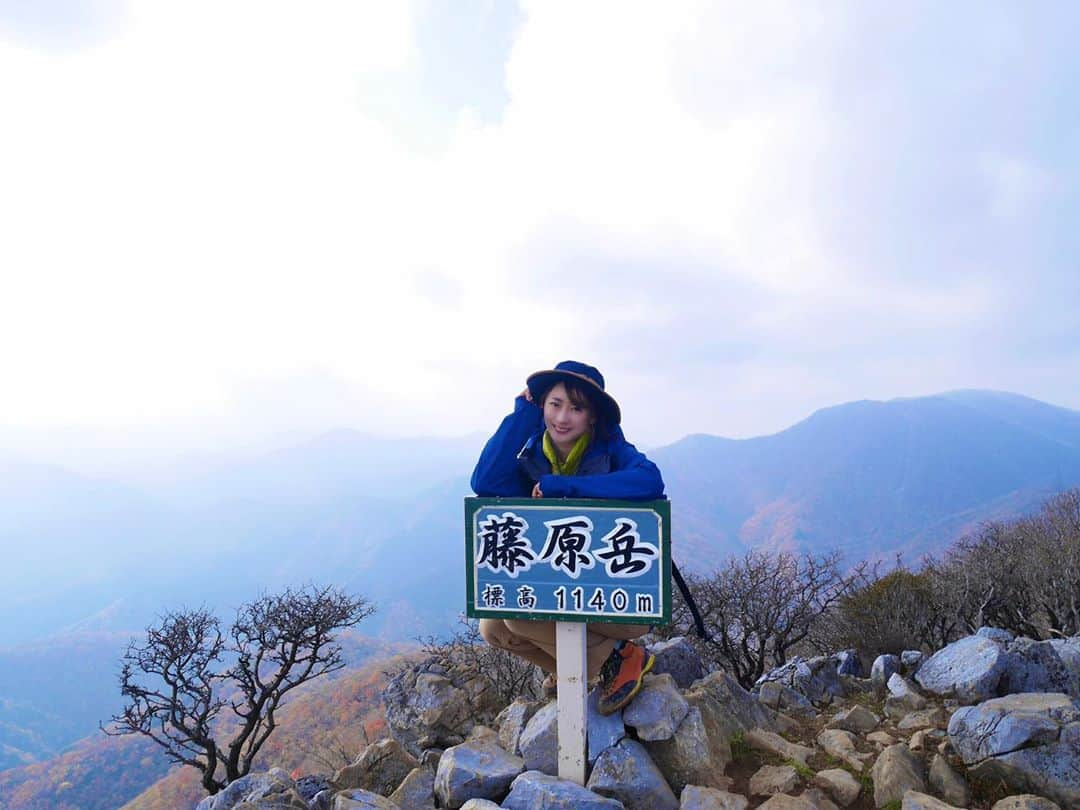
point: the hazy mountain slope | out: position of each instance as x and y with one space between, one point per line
871 478
104 773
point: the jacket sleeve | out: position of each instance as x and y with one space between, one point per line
497 473
633 478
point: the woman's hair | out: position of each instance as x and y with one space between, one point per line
580 396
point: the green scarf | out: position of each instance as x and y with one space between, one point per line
570 466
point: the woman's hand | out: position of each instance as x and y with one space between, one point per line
536 493
526 394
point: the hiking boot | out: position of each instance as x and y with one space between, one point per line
621 675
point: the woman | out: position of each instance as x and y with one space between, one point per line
563 440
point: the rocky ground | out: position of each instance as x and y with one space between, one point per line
947 731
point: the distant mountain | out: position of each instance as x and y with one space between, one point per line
871 479
384 519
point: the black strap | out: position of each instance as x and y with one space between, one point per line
698 622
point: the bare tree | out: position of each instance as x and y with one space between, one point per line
177 682
759 607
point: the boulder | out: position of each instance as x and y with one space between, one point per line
839 784
602 731
947 783
692 756
471 770
770 779
539 742
969 669
309 786
882 738
723 701
769 693
695 797
856 718
359 799
1043 666
816 679
818 798
1030 741
380 768
678 658
895 772
903 697
849 663
267 787
995 634
882 669
534 790
511 722
480 804
657 710
911 660
841 744
625 772
417 790
426 708
926 738
781 801
914 800
1025 801
761 740
933 717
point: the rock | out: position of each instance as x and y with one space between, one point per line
882 738
479 804
856 686
914 800
781 801
724 702
323 800
841 744
903 697
539 742
626 773
1025 801
896 772
534 790
769 693
691 756
849 663
678 658
426 709
815 679
995 634
358 799
761 740
380 768
1030 741
882 669
947 783
511 722
309 786
817 797
911 660
839 784
1043 666
934 717
695 797
794 703
417 790
926 738
479 770
857 719
266 787
770 779
969 670
602 731
657 710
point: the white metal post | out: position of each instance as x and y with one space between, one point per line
572 672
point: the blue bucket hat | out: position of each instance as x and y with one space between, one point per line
586 377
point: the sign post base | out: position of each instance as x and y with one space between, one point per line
572 674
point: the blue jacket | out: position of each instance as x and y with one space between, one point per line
513 460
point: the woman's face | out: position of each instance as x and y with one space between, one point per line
564 420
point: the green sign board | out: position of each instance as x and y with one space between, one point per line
568 560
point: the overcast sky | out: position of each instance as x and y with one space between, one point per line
244 217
